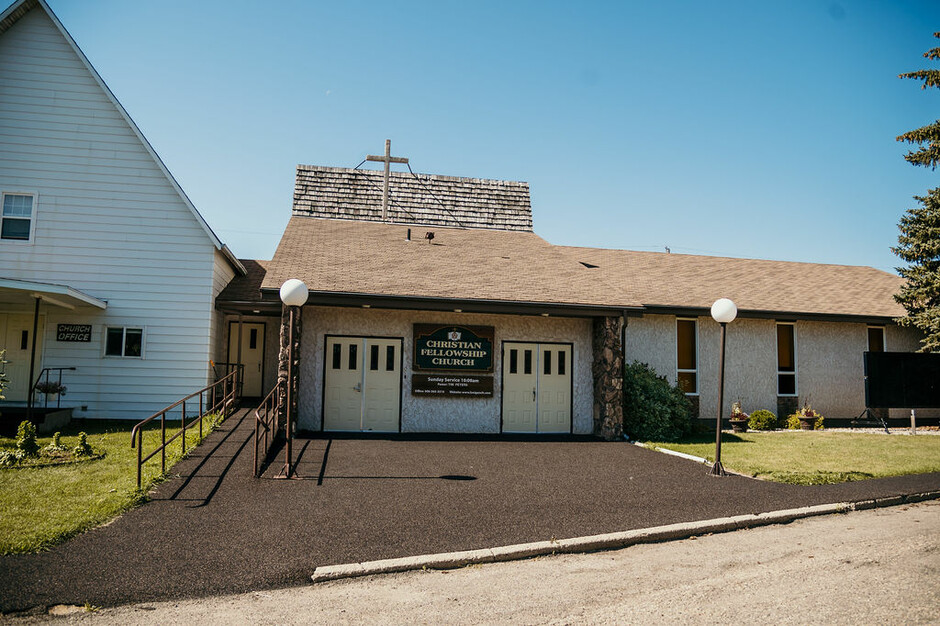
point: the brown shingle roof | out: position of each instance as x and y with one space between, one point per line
343 193
349 257
689 281
245 288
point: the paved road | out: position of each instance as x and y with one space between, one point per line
876 566
216 530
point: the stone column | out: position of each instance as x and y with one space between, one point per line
282 361
607 370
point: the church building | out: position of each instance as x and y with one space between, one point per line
436 308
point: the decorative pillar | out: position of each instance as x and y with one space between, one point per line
284 366
607 369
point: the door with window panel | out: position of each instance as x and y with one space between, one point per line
251 355
16 338
362 384
536 388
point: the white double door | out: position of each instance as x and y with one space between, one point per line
536 387
362 384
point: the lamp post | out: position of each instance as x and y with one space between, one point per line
293 294
723 311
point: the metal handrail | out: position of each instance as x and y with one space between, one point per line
221 396
45 372
266 420
228 368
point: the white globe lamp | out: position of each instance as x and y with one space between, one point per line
294 292
724 311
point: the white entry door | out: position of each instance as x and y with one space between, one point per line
536 388
251 355
16 338
362 384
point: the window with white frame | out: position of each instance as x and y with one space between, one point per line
124 342
687 355
786 360
17 216
876 339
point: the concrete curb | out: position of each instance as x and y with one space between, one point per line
609 541
690 457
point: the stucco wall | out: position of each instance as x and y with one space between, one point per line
830 371
427 414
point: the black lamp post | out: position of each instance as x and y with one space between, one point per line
723 311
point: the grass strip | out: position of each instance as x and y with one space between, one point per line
817 457
43 506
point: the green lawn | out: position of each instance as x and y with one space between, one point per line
42 506
817 457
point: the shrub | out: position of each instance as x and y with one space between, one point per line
762 420
9 458
26 439
56 447
653 409
82 449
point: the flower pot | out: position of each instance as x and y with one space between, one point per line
808 423
738 426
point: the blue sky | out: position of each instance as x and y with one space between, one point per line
748 129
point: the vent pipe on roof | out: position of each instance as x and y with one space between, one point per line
408 236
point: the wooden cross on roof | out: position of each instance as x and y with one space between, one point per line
388 159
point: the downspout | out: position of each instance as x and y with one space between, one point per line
32 360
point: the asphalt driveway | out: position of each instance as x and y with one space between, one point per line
215 529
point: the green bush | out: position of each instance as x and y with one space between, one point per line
653 409
82 449
26 439
762 420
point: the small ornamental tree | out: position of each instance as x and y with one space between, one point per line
919 241
653 408
26 439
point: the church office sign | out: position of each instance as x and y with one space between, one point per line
453 348
73 332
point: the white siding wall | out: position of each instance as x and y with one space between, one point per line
222 274
108 222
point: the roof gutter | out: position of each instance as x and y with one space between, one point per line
653 309
512 307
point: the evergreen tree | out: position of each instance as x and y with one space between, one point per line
919 241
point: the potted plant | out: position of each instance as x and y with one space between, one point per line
805 419
738 418
50 389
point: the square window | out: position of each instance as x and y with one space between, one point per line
16 216
124 342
